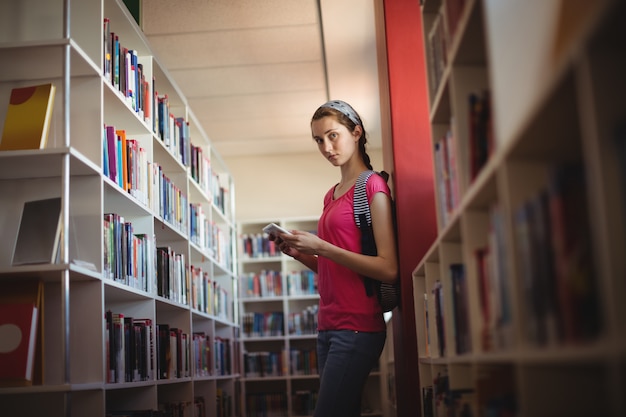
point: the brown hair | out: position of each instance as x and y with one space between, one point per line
342 118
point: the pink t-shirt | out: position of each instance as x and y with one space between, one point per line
344 305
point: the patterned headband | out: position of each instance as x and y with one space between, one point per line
344 108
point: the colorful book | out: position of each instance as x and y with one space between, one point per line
28 116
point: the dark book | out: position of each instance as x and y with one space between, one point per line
427 401
460 308
576 283
439 318
146 347
163 351
481 141
39 232
116 347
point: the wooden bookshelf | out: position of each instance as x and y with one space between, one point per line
537 227
87 282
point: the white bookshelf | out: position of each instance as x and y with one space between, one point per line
33 50
546 346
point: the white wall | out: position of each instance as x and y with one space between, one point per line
284 185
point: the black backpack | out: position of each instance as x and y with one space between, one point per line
388 294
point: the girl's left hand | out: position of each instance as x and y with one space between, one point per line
300 241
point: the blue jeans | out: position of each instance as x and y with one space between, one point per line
345 359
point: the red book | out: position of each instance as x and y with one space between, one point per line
18 337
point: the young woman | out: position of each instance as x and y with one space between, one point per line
351 328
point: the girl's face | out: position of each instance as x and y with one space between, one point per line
334 140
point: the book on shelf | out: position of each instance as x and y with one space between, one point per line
21 325
425 318
108 56
39 232
499 282
27 121
576 284
486 297
437 55
439 318
460 308
18 334
481 139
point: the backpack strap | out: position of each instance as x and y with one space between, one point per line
363 220
361 205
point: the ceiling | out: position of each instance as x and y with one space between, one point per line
255 71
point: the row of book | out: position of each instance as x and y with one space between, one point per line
131 349
208 295
124 71
209 236
494 289
492 393
304 322
138 350
125 162
172 131
275 404
135 260
261 404
221 245
481 135
459 320
201 229
437 54
554 268
439 37
263 324
183 408
224 405
129 257
263 364
302 282
303 402
303 361
443 399
481 145
269 283
266 283
257 245
172 279
556 265
446 176
121 67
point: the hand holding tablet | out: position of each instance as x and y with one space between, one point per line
274 229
